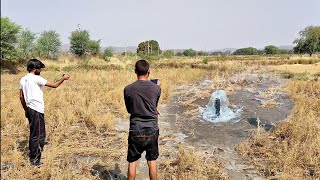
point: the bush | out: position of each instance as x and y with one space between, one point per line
168 54
271 49
190 52
205 60
202 53
94 47
107 53
79 41
149 57
246 51
179 54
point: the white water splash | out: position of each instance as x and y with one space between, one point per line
226 114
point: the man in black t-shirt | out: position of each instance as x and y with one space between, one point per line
141 99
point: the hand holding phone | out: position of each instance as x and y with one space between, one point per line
156 81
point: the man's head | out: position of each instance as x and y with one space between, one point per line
34 65
142 68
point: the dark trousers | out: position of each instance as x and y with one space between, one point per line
37 135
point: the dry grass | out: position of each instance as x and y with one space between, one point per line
190 164
80 120
292 151
299 68
80 117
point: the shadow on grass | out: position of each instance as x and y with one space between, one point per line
107 174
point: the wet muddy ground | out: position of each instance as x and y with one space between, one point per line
263 103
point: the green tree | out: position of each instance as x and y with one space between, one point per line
150 47
26 44
79 40
48 44
190 52
271 49
107 53
202 53
168 53
309 41
179 54
286 51
216 53
246 51
94 47
9 38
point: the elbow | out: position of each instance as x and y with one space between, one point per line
55 85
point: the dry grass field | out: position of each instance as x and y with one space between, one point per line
81 117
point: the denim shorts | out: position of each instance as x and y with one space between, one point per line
146 140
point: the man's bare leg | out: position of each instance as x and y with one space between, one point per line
132 167
152 170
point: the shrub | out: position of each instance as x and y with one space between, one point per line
94 47
190 52
168 53
107 53
79 41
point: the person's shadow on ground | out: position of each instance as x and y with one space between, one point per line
107 174
23 147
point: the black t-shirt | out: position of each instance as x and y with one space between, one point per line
141 99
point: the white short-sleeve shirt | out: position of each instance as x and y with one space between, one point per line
32 87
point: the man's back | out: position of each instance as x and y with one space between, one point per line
141 99
32 86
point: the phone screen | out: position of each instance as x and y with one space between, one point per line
154 81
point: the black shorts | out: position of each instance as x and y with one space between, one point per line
146 140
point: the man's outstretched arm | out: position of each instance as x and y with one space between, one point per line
58 83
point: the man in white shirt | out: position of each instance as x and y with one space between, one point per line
31 97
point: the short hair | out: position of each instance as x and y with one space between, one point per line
34 64
141 67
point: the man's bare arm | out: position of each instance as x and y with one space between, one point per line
23 102
58 83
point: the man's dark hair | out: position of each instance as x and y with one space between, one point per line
34 64
141 67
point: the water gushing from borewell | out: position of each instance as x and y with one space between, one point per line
218 109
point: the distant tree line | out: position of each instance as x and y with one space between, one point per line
268 50
20 44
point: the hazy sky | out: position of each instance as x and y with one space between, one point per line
198 24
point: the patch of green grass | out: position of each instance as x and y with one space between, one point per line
205 60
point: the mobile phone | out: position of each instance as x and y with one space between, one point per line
154 81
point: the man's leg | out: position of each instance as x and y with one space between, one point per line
36 120
132 167
152 170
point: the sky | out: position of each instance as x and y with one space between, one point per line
175 24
